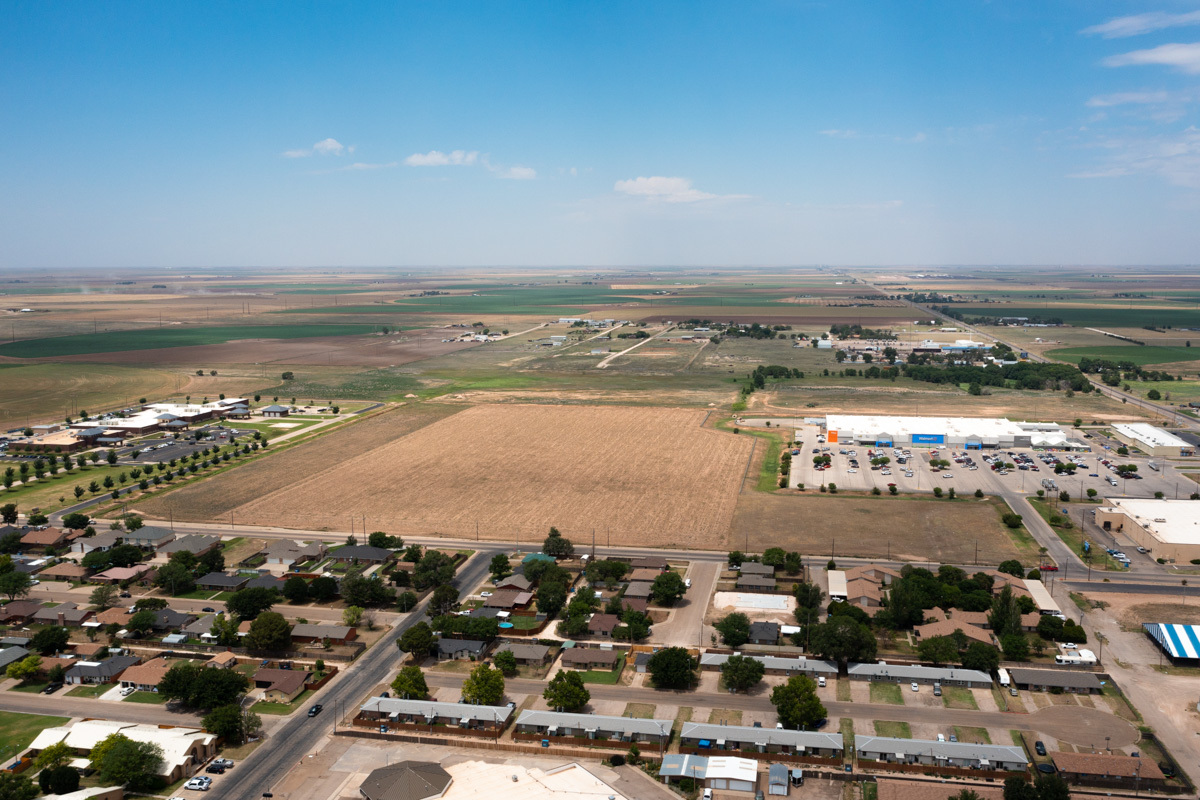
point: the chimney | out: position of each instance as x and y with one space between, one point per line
62 619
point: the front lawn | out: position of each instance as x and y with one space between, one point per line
90 691
17 731
150 698
264 707
959 697
895 730
604 676
31 687
973 735
888 693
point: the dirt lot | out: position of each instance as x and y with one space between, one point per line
216 497
644 476
913 529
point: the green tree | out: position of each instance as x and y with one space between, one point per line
417 640
232 723
197 686
25 669
793 563
15 584
1015 647
499 567
774 557
557 545
843 639
981 656
122 761
103 596
742 673
1005 616
1012 567
567 691
8 511
53 756
551 595
16 787
323 589
175 578
49 641
796 703
269 631
410 683
352 616
734 629
1051 787
506 662
406 602
938 649
295 589
225 629
1018 788
368 592
667 588
484 686
434 569
443 600
672 668
59 780
75 521
250 602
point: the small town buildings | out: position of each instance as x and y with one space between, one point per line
101 541
194 543
756 568
219 581
528 654
764 632
64 571
280 685
731 773
945 627
305 633
67 615
945 754
273 411
19 612
906 673
406 780
115 575
223 660
518 582
657 563
1045 680
763 740
48 537
1111 770
602 625
643 574
776 665
430 712
640 589
362 554
146 677
99 672
183 749
288 552
460 649
147 537
594 726
509 599
11 654
755 583
587 658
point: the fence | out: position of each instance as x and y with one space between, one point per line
314 685
934 769
790 758
376 724
581 741
19 766
561 752
195 649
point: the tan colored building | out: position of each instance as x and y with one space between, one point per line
1168 529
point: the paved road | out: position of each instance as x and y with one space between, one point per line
300 735
62 705
686 624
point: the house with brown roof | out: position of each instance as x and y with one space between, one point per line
945 627
657 563
1103 769
63 571
116 575
68 615
637 589
223 660
602 625
19 612
146 677
636 604
50 537
303 633
407 780
756 583
108 616
864 593
977 618
508 599
585 658
643 575
526 653
518 582
280 685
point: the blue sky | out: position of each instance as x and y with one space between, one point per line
640 133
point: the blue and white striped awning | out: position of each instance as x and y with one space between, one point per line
1180 641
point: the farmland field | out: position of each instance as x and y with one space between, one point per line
647 476
1088 316
904 528
1142 356
39 392
159 338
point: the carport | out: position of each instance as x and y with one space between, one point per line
734 774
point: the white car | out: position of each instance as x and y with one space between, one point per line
128 690
198 784
915 687
485 594
947 474
1069 646
851 471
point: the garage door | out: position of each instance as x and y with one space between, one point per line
741 786
718 783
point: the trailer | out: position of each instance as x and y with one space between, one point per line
1042 599
1005 680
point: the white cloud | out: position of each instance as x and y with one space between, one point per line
358 165
1183 57
1137 24
1174 158
1123 98
519 173
325 147
436 158
669 190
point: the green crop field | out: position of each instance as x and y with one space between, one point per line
1142 356
1110 316
154 338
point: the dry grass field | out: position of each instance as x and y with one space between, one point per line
907 528
647 476
215 497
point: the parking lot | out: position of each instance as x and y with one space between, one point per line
157 451
910 469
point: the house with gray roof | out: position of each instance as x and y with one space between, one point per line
195 543
430 712
1044 680
168 619
289 551
273 411
362 553
775 665
907 673
148 537
768 740
756 568
593 726
304 632
220 581
10 655
764 632
66 614
98 672
266 582
637 589
460 649
525 653
406 780
756 583
943 754
101 541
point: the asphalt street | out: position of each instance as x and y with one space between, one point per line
301 735
84 707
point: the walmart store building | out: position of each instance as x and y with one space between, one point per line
963 433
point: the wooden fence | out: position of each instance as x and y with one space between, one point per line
424 728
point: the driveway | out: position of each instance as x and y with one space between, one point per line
685 626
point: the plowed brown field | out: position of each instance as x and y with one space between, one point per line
646 476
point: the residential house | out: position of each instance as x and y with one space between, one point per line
147 537
593 726
146 677
101 541
635 604
1045 680
219 581
762 740
280 685
945 627
518 582
223 660
11 654
337 634
289 552
266 582
1109 770
168 619
99 672
755 583
460 649
907 673
965 755
756 568
643 574
47 537
273 411
587 658
657 563
528 654
183 749
776 665
194 543
764 632
67 615
509 599
116 575
63 571
602 625
864 593
639 589
362 554
400 711
201 628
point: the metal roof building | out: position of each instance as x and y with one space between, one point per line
775 664
682 765
1155 441
902 673
730 737
951 754
593 726
1177 641
398 709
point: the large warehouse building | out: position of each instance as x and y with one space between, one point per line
1151 440
1169 529
969 433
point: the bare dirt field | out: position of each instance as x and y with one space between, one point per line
647 476
910 529
215 497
